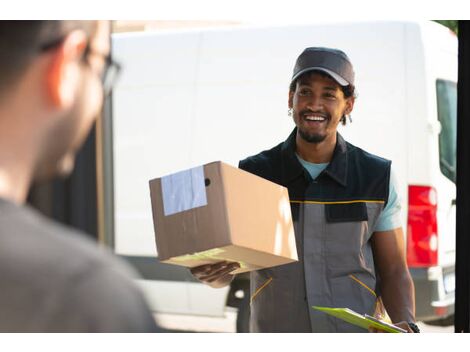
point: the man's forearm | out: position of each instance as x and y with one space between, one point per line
398 296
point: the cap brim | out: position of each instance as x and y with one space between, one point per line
341 81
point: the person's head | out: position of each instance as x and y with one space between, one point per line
321 92
51 89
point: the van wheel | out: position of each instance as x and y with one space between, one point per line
448 321
243 316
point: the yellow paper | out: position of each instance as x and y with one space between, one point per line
363 321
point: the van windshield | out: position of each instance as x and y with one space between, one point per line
447 115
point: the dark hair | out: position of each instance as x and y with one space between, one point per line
348 91
21 41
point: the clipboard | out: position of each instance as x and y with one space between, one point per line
364 321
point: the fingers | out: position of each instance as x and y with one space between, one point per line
207 268
220 273
404 325
213 272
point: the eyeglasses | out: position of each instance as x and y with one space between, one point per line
111 68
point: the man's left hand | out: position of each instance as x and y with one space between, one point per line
402 324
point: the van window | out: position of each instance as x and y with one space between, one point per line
447 115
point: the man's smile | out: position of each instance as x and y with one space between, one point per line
314 118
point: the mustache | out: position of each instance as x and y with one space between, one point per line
304 112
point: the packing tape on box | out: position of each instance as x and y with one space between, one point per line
213 254
183 191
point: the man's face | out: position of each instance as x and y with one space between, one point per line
318 104
75 126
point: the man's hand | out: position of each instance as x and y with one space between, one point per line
405 326
402 324
215 275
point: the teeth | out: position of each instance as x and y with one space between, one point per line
314 118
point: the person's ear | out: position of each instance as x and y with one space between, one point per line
63 72
290 101
349 105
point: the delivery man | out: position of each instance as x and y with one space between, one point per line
345 210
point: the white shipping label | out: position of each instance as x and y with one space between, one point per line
183 191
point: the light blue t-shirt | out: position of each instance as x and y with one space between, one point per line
389 219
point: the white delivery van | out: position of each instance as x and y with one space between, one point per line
189 97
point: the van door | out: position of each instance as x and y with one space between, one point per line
446 92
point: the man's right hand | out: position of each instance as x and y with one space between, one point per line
215 275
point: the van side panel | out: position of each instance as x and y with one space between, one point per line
153 110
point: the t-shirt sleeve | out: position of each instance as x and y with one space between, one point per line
389 219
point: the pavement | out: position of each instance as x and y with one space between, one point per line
227 323
197 323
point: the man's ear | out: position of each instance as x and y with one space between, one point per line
349 105
63 72
290 101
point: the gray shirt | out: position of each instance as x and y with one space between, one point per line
54 279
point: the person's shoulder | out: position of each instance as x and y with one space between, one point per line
34 242
42 261
367 159
368 173
265 163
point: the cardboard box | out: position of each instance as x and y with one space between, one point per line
218 212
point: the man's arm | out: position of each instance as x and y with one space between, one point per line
396 285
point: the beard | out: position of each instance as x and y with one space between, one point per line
311 137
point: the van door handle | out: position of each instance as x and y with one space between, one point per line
454 201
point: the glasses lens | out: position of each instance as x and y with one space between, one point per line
110 76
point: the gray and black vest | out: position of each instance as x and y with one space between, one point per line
334 218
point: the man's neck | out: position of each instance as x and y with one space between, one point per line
14 186
317 153
20 141
16 165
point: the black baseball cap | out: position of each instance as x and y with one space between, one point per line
332 61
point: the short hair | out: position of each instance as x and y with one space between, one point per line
21 41
348 91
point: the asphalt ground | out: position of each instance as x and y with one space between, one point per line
227 324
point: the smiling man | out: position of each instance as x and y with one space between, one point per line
345 209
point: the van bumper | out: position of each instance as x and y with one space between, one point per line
434 292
